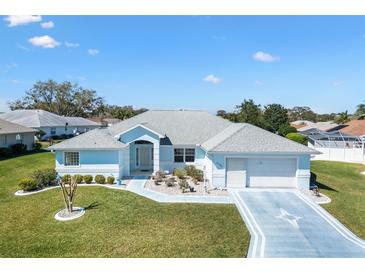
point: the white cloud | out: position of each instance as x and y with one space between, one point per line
212 79
337 83
259 83
44 41
20 46
18 20
265 57
93 51
14 81
71 45
47 25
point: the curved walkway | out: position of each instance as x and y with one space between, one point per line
136 185
285 223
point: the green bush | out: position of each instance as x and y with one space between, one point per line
79 178
190 169
40 133
180 173
286 129
18 148
88 179
100 179
28 184
198 175
44 177
37 146
296 137
66 178
5 152
110 180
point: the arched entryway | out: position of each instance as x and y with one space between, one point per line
142 157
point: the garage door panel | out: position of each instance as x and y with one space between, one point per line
272 172
236 173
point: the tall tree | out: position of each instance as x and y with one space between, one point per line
302 113
120 112
275 116
64 98
360 111
249 112
342 118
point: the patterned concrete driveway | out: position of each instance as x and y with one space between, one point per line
284 224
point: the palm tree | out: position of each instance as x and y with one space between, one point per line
360 111
342 118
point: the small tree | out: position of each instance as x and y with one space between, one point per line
68 185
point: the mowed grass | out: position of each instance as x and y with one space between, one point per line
344 184
116 224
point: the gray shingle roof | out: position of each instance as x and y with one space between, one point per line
7 127
183 127
37 118
99 138
189 128
252 139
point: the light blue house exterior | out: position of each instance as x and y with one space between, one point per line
231 155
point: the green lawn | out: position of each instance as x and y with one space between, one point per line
116 223
344 184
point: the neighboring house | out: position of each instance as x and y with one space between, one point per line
230 154
355 128
11 134
52 124
304 126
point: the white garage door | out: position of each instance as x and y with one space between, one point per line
264 172
236 173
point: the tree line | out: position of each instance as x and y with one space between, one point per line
70 99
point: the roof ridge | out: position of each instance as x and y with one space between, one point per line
242 125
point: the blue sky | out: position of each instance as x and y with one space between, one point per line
193 62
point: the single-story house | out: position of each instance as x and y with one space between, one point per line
52 124
355 128
232 155
11 134
307 126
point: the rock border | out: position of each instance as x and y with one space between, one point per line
81 212
323 199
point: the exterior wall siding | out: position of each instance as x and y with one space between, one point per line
93 162
10 139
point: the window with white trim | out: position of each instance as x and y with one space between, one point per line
178 155
72 158
189 154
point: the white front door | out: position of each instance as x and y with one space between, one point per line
145 157
236 173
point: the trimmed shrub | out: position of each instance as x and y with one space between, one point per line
110 180
66 178
40 133
28 184
190 169
198 175
100 179
79 178
296 137
18 148
88 179
44 177
286 129
180 173
37 146
5 152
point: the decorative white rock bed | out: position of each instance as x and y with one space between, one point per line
175 190
63 215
